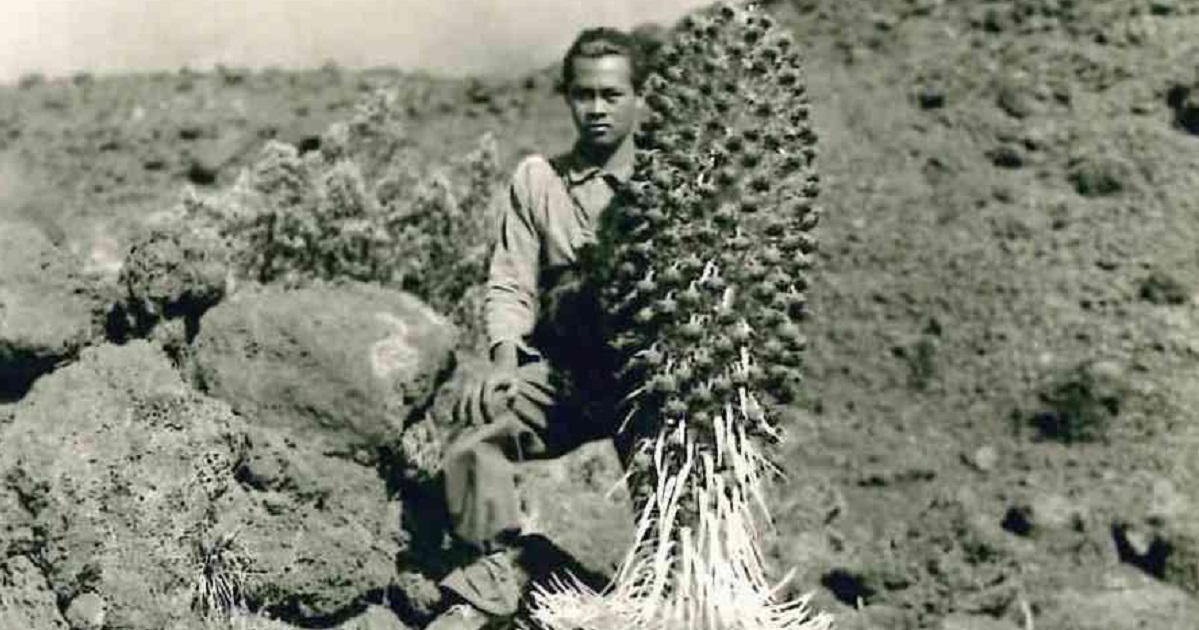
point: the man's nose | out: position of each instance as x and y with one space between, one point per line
595 108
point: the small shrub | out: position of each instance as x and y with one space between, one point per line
1080 404
921 361
231 75
1160 287
365 206
30 80
169 272
1183 99
1098 175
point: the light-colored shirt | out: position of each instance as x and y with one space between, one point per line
547 216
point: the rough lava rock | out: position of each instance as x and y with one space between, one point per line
172 272
135 491
322 532
47 308
342 367
26 602
119 464
595 526
16 524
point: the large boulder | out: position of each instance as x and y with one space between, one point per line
146 501
119 465
47 308
340 367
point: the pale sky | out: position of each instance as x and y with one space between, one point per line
60 37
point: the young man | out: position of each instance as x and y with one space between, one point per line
544 393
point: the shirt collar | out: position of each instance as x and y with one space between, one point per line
579 172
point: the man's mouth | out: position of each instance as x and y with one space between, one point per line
598 127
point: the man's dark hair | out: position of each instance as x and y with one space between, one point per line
601 42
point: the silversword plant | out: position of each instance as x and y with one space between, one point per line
703 266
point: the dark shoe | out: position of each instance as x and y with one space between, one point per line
493 583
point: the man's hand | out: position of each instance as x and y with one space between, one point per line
525 391
483 399
533 395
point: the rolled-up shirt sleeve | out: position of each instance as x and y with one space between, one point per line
511 303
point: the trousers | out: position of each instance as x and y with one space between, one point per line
479 470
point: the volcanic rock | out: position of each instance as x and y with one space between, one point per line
172 272
595 526
46 309
147 494
26 601
119 465
341 367
320 532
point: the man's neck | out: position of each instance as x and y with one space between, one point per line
617 160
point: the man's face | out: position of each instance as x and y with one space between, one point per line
602 100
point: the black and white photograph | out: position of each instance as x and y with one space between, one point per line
599 315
